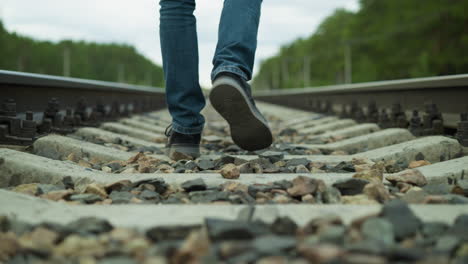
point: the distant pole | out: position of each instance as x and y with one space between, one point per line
66 61
276 77
285 70
348 64
121 73
20 63
149 80
306 70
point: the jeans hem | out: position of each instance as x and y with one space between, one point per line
231 69
187 130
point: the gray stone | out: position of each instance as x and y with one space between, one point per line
404 222
120 197
273 245
331 195
351 186
297 161
219 229
206 164
456 199
194 185
86 198
191 165
447 244
159 184
208 196
163 233
367 246
255 188
90 226
150 195
46 188
284 226
378 229
333 234
284 184
434 229
459 227
272 156
115 166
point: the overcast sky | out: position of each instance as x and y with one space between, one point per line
136 23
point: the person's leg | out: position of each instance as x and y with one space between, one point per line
233 65
179 48
237 38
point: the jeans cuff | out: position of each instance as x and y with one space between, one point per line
187 130
231 69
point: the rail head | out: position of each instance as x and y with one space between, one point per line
452 81
41 80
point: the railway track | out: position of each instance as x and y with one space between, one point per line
334 188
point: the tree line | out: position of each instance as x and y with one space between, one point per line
105 62
383 40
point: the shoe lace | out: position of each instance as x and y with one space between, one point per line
168 130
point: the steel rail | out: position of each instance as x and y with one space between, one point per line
448 93
32 91
28 99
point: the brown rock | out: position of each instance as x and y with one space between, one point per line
320 253
106 169
362 161
320 223
29 188
304 185
230 171
232 186
41 239
84 163
129 171
72 157
370 175
403 187
136 247
339 153
302 169
57 195
9 245
418 163
135 158
281 199
155 260
194 247
135 200
273 260
377 191
96 188
180 156
165 168
360 199
356 258
76 246
413 177
117 186
435 199
308 198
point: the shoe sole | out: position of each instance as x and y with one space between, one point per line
248 130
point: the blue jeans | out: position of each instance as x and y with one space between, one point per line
235 53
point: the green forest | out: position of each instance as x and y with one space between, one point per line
106 62
383 40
